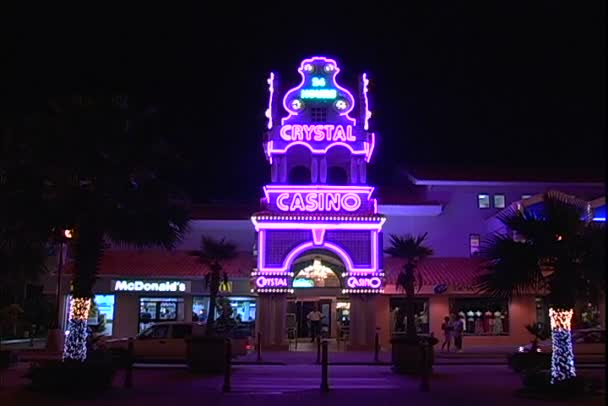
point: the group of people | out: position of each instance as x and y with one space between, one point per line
453 328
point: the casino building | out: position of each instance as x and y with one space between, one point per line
316 236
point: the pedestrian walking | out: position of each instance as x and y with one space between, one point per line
447 327
458 330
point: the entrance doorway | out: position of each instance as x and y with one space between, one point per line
299 309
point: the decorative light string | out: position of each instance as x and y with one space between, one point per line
75 347
562 358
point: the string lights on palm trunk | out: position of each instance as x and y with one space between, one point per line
75 341
562 358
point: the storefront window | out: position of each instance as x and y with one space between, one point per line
399 318
101 314
243 308
483 316
157 309
542 312
589 316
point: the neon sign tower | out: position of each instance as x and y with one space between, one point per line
318 198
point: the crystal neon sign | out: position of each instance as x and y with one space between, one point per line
317 132
271 282
373 282
318 201
320 198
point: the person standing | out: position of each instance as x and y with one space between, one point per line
314 317
447 328
458 331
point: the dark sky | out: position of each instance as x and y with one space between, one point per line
502 84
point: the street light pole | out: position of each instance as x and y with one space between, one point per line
58 292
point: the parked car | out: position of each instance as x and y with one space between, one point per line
585 341
166 341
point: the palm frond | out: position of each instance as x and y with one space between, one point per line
512 267
215 251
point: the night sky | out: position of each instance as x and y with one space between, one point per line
520 84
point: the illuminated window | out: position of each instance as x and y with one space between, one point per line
499 201
474 243
482 316
318 115
483 201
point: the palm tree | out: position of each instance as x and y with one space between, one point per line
413 250
106 173
559 252
213 252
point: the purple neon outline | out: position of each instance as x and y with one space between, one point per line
268 114
311 60
366 287
288 260
281 225
313 188
368 113
318 236
370 147
280 190
316 125
272 150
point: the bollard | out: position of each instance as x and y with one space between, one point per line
259 346
424 384
376 347
227 367
318 350
324 383
129 366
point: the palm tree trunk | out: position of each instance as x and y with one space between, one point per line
88 253
410 326
214 287
562 358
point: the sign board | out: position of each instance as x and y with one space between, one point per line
168 286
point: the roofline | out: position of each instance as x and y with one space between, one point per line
437 182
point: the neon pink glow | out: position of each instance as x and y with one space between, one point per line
318 201
294 93
270 82
270 282
327 245
273 150
368 114
268 189
317 132
318 236
362 282
282 225
370 147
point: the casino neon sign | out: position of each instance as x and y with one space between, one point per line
373 282
317 132
318 201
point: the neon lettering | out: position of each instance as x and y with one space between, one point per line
282 206
318 94
327 132
318 82
139 286
318 201
364 282
271 282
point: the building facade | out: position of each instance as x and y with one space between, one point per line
316 236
